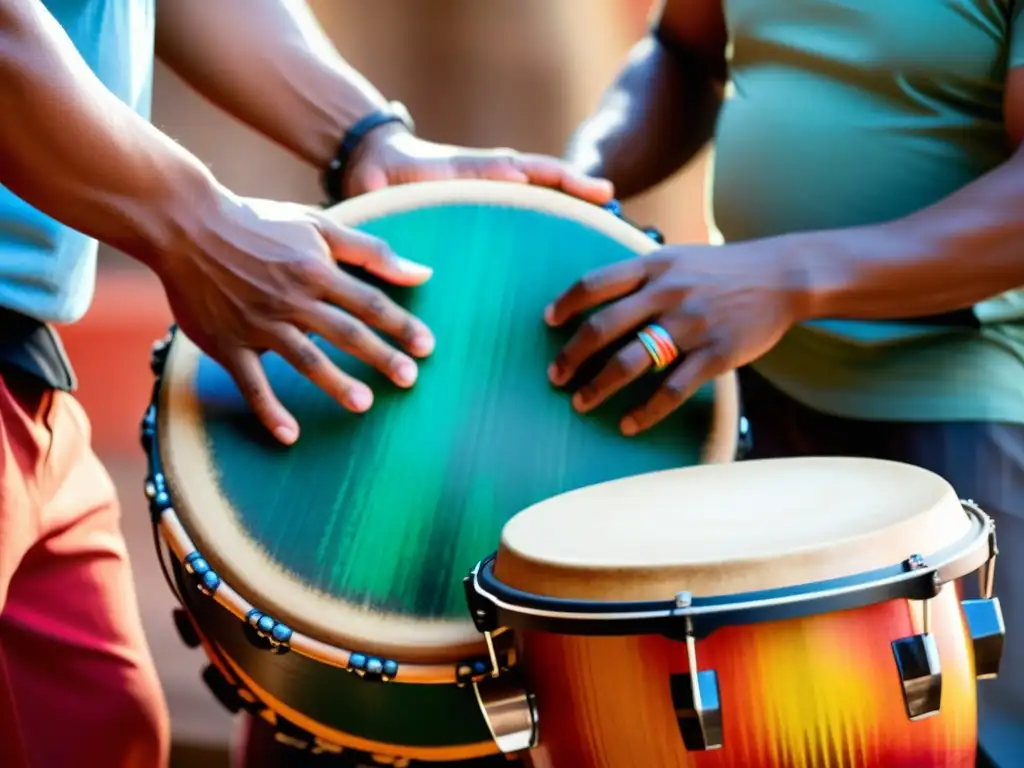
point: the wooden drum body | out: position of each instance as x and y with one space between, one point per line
325 579
816 596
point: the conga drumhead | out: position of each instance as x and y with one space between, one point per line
359 534
728 529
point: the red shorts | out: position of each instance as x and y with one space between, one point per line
77 683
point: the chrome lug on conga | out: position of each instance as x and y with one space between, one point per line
985 624
917 660
510 712
485 619
695 697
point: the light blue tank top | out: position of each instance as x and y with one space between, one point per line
48 271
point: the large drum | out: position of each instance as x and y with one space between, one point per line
325 579
793 613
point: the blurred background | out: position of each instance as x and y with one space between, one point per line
517 73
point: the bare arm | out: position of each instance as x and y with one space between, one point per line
661 109
951 255
242 276
77 153
268 63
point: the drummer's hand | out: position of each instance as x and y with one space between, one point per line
263 277
391 155
723 307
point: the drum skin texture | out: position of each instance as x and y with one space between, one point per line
359 535
817 692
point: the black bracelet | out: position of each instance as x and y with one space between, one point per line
334 174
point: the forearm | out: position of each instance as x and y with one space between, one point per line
962 250
658 114
269 64
77 153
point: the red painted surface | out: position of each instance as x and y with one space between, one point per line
110 351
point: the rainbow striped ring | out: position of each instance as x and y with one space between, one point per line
659 346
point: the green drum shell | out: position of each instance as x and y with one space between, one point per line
359 535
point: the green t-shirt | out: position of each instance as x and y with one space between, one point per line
842 113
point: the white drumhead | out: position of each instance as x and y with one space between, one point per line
728 528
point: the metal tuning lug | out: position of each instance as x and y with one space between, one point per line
507 706
985 623
917 662
695 696
509 710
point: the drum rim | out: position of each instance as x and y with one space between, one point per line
495 605
450 641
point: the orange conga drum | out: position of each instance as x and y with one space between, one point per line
788 613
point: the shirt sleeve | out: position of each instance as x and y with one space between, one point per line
1017 34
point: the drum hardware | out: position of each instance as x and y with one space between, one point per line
265 632
222 690
745 442
372 668
494 605
186 629
615 207
695 696
508 708
985 618
917 658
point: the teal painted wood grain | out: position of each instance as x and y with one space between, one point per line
391 508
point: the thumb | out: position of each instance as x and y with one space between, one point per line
350 246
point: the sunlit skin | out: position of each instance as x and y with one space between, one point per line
725 306
242 275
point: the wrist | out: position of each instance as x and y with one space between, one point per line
824 267
370 131
171 222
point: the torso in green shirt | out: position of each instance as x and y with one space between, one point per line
842 113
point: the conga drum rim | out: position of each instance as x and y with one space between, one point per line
557 582
205 520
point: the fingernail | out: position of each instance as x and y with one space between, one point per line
361 399
579 401
422 344
406 373
629 426
606 186
554 374
413 268
286 435
549 314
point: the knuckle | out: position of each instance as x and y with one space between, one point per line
376 306
391 360
377 251
717 358
254 394
675 388
410 330
308 273
307 358
270 305
592 330
343 389
351 333
590 283
621 365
